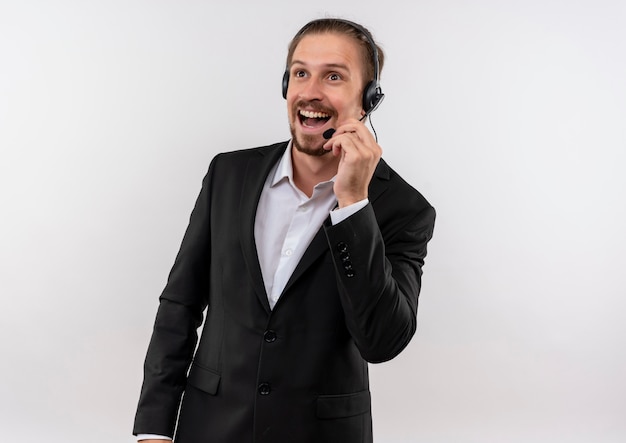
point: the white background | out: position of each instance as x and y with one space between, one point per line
509 116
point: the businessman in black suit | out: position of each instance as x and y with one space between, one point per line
308 255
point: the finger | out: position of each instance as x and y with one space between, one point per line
354 126
340 135
349 144
361 137
346 140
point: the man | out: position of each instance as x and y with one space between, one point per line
308 255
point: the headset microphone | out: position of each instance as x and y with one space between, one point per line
328 133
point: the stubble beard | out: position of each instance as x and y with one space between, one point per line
307 144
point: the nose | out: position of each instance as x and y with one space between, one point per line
311 90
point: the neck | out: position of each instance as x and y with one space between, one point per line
309 170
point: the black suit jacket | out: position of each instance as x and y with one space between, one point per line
297 373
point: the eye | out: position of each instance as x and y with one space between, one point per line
300 73
334 76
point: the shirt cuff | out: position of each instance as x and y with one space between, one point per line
340 214
152 437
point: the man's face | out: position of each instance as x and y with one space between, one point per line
325 88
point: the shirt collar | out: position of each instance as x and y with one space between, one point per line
284 169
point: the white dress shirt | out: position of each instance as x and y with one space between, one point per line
286 221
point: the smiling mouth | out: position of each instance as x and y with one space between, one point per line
313 119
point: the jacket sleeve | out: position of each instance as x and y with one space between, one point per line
175 329
379 276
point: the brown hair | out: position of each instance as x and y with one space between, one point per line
350 29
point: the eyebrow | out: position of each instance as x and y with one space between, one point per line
327 65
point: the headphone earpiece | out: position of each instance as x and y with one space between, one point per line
285 83
372 97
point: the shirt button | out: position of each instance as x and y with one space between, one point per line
288 252
265 389
269 336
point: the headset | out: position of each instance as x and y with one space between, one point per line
372 94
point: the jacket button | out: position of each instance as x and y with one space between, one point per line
342 246
269 336
265 389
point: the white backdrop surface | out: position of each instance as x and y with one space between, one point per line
509 116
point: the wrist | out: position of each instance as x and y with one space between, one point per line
345 201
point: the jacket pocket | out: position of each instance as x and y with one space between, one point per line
344 405
204 379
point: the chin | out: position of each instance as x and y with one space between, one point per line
309 144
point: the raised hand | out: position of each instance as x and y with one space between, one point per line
358 155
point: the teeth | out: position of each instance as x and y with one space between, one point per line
312 114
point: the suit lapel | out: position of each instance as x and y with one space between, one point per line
257 169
